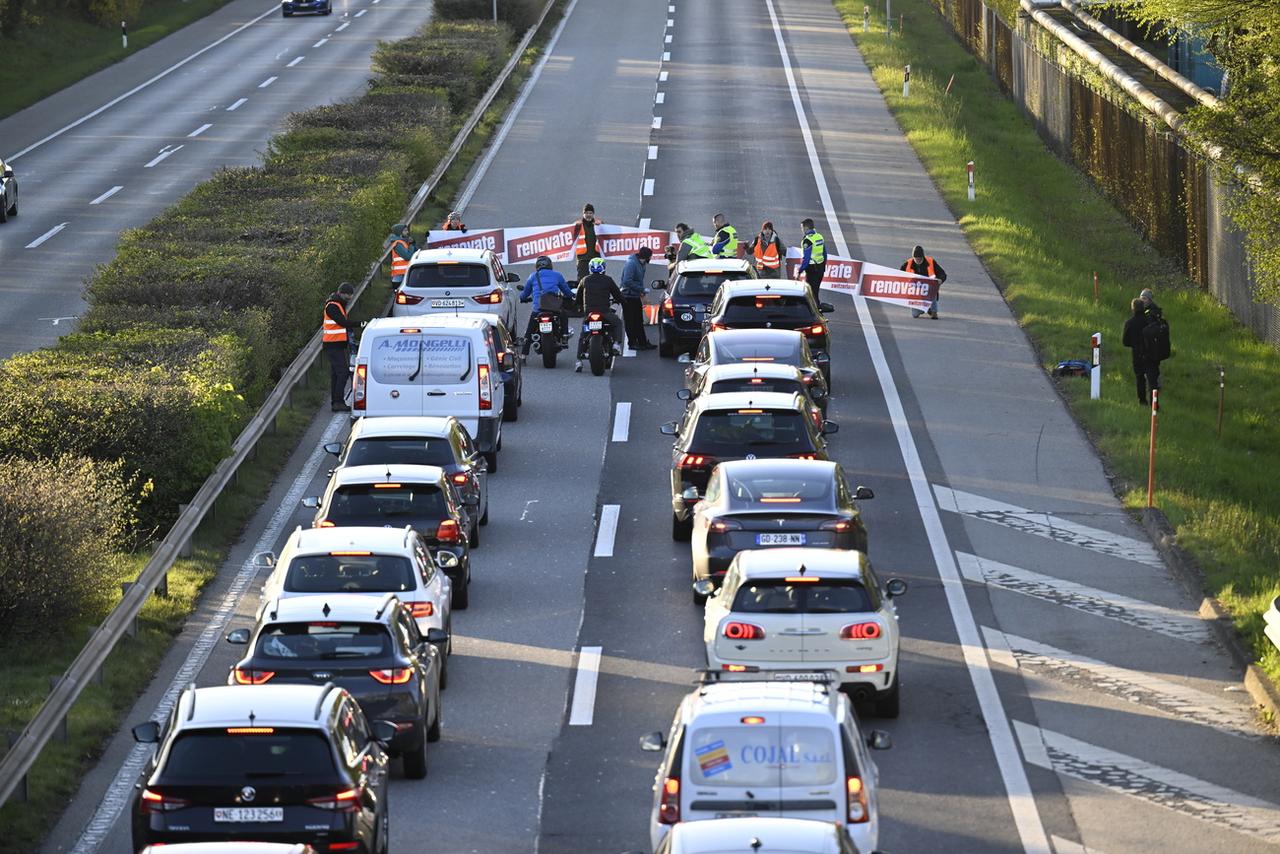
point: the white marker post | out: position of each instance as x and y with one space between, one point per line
866 18
969 168
1095 376
888 19
124 35
906 80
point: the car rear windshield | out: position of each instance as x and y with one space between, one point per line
407 358
776 308
757 384
386 450
324 641
212 755
349 574
697 283
785 351
762 755
764 432
386 504
779 596
448 276
815 491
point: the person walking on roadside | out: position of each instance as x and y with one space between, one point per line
632 286
585 244
813 265
768 252
335 340
402 247
725 244
453 222
924 265
1146 368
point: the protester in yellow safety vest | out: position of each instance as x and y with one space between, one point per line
335 336
692 245
814 263
402 247
725 244
923 265
453 222
769 252
585 245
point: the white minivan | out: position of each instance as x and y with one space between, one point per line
450 367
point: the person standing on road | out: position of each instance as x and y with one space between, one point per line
335 340
542 282
1146 370
585 244
924 265
632 286
725 244
597 292
453 222
813 265
402 247
768 251
692 245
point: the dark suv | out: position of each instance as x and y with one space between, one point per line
286 763
689 296
774 304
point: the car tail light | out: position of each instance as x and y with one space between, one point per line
492 298
407 299
739 668
696 461
815 331
253 677
837 525
343 801
857 800
861 631
668 308
716 326
735 630
669 805
803 456
393 676
448 531
486 387
153 801
722 525
342 846
325 523
864 668
422 609
461 478
358 387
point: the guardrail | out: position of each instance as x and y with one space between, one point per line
51 716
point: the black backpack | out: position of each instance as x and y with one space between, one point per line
1155 338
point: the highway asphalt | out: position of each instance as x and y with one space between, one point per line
1059 691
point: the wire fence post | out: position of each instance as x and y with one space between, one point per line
1095 287
1222 396
1151 450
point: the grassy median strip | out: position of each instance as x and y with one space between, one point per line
1042 230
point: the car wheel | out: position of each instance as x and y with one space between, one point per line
491 457
433 732
4 213
889 703
328 10
484 520
511 410
415 760
666 348
384 832
474 539
461 596
13 209
681 530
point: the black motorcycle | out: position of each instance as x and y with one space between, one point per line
549 331
600 342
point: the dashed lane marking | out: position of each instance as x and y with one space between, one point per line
204 127
653 152
344 25
360 13
660 98
667 38
165 154
663 75
265 83
236 105
295 61
657 122
608 530
47 235
582 712
648 186
646 222
622 422
666 56
108 194
322 42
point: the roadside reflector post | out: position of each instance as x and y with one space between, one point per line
1222 396
1151 450
888 19
1095 287
1095 375
969 168
906 80
124 35
866 18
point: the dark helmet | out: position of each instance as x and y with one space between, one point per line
543 263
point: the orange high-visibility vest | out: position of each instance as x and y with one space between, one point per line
399 266
767 255
928 263
333 332
580 239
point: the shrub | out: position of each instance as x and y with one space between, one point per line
517 14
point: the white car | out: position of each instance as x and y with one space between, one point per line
446 281
808 609
783 745
776 835
8 192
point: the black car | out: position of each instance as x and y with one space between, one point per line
8 192
398 495
372 649
755 347
767 376
688 298
278 763
760 504
774 304
301 7
736 426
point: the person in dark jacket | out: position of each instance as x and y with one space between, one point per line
633 290
924 265
335 335
1146 371
597 292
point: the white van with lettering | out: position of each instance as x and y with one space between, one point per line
450 367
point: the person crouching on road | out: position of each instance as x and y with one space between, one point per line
1146 370
813 264
402 247
725 244
542 283
585 244
335 340
768 252
597 292
633 290
924 265
453 222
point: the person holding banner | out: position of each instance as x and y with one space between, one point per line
768 252
813 266
725 244
453 222
924 265
585 245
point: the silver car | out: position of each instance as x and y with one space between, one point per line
8 192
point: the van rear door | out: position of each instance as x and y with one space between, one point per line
732 766
811 783
395 380
448 373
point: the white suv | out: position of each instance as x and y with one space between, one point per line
446 281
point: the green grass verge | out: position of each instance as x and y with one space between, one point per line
43 44
1042 229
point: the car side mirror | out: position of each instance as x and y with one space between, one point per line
311 501
829 427
862 493
8 173
684 394
446 559
653 742
507 362
817 393
658 284
512 278
668 429
895 587
334 448
704 587
878 739
148 733
690 494
383 732
684 358
240 637
264 560
826 307
479 463
437 636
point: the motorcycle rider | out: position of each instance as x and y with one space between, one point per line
543 281
597 292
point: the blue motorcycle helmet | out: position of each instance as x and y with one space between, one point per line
596 265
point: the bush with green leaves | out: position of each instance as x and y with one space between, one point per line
517 14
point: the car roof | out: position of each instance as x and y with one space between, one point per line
783 562
269 705
460 254
786 287
736 370
731 337
719 835
427 321
748 400
764 696
388 474
714 265
778 467
404 425
347 607
306 541
230 847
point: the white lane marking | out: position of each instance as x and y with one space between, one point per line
274 10
1048 526
648 186
265 83
666 56
608 530
295 61
236 105
525 513
56 320
204 127
653 152
108 194
510 121
360 13
582 712
667 38
663 75
670 23
164 154
120 791
660 98
345 24
322 42
1018 789
622 422
1145 781
645 222
671 10
48 234
1146 690
1169 622
657 122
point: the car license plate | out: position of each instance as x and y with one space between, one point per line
595 325
779 539
544 326
799 676
447 303
242 815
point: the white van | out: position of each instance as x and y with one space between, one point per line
450 367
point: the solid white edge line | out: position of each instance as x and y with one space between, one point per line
607 531
295 61
239 103
648 186
48 234
108 194
622 422
514 113
582 712
265 83
204 127
1018 789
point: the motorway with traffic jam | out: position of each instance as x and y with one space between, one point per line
851 580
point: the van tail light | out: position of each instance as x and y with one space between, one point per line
861 631
154 802
494 297
393 676
803 456
668 308
856 793
837 525
448 531
721 525
485 383
325 523
359 386
342 801
735 630
407 299
422 609
253 677
669 805
696 461
815 331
